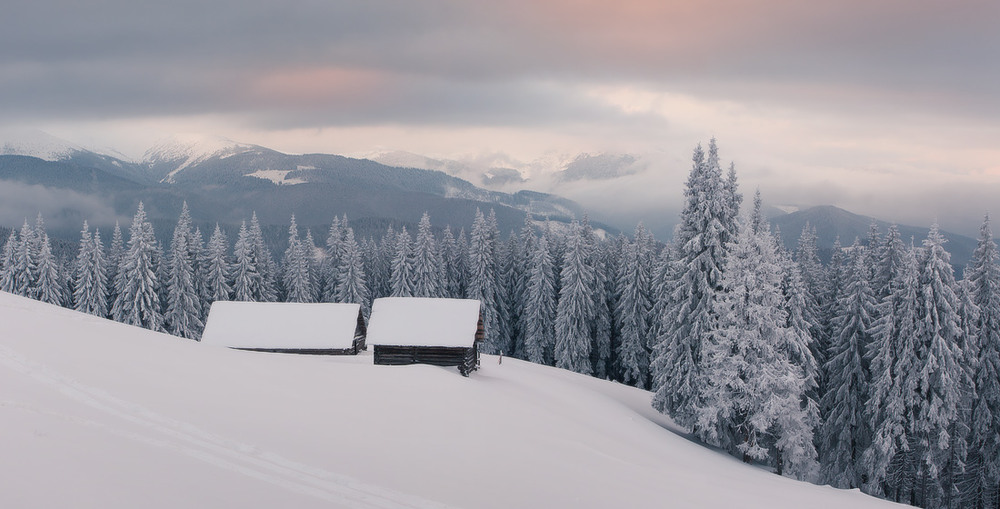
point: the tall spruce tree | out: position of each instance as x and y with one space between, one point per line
8 264
633 312
940 370
482 279
90 279
26 264
297 276
983 275
846 433
689 316
137 301
402 266
575 306
351 285
247 282
217 269
49 285
889 463
426 269
540 306
753 400
182 316
267 291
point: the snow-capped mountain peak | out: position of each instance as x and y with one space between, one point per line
35 143
181 151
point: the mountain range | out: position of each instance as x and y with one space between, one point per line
225 181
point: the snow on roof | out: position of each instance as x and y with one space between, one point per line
413 321
281 325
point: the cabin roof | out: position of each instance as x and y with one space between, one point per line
281 325
414 321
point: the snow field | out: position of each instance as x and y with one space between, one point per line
99 414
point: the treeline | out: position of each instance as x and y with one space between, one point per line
877 371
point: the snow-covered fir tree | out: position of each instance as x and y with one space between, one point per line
426 269
217 269
351 284
297 277
983 465
633 312
26 264
90 278
846 433
137 301
940 371
540 306
482 279
331 265
453 266
889 463
247 282
49 285
600 321
182 315
402 266
700 242
8 264
267 291
575 306
116 251
752 403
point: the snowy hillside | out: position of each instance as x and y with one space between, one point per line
99 414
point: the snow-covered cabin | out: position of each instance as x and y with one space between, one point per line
412 330
287 327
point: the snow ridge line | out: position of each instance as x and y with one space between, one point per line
218 451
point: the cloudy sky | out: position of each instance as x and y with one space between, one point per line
890 108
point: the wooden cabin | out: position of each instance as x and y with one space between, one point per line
287 327
441 332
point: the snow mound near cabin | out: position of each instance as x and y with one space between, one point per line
100 414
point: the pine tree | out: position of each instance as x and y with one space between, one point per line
247 281
695 281
137 302
482 284
426 269
983 466
351 285
182 316
846 433
633 312
540 306
575 307
297 276
217 269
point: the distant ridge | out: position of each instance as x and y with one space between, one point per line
833 222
